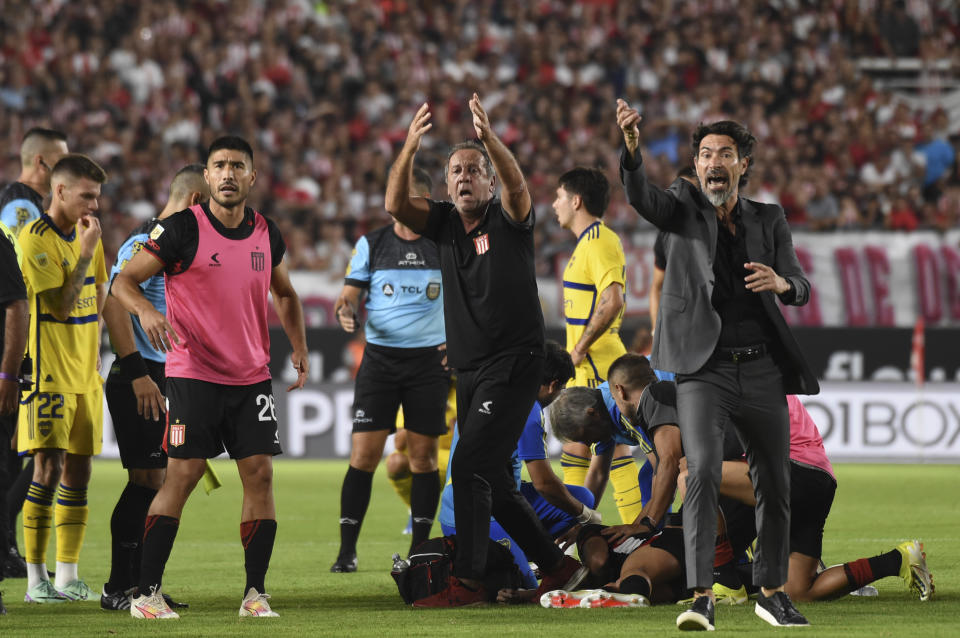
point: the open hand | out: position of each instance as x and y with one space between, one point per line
419 126
481 123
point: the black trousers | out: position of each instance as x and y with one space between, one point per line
750 396
493 403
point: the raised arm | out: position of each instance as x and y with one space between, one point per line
513 193
654 204
287 304
408 210
61 300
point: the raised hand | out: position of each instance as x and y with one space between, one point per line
628 119
481 123
419 126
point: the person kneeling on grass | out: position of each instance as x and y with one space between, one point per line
812 488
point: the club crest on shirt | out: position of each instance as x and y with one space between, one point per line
41 259
156 232
433 290
257 260
178 432
482 243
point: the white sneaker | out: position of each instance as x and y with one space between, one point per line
152 607
255 605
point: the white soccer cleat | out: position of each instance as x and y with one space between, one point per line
562 599
612 599
152 607
255 605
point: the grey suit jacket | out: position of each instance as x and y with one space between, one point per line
688 326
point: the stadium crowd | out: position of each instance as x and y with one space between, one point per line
325 91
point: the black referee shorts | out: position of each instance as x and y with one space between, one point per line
139 438
391 377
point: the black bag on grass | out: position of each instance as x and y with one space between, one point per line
429 567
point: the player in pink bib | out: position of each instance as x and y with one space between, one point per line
220 260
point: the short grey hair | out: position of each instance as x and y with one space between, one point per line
568 412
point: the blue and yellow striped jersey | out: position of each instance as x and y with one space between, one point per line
64 352
596 263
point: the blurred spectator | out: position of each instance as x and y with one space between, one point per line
325 90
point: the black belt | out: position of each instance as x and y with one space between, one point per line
740 355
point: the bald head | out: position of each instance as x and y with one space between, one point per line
40 151
187 188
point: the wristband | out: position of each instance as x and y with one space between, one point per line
588 515
9 377
133 366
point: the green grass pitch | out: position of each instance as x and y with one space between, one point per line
876 507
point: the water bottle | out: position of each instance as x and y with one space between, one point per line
399 565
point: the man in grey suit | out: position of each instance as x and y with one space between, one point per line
719 328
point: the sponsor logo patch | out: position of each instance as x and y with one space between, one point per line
388 290
41 259
156 232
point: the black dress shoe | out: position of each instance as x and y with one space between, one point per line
699 617
779 611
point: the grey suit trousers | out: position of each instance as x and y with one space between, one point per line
750 396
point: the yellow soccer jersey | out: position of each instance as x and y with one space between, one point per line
596 263
64 352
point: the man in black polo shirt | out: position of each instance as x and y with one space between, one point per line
494 340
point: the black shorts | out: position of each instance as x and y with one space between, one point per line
669 539
205 418
139 439
811 496
391 377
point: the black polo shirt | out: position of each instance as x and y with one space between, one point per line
490 298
